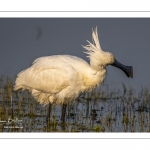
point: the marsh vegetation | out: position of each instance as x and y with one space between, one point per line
101 110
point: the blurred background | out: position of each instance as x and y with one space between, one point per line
22 40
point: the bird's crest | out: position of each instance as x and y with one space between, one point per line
95 47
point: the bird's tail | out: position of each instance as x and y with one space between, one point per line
19 81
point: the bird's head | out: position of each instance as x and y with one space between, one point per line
106 58
100 58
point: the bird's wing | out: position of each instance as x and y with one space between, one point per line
47 76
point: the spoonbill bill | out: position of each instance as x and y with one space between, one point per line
59 79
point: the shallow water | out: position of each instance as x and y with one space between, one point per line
102 110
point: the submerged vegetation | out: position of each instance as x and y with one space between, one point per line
101 110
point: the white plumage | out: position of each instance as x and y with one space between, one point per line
59 79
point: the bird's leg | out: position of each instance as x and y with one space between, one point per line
49 112
63 112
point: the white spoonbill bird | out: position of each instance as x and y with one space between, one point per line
59 79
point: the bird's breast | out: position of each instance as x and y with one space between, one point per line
93 80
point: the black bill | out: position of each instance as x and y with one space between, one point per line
128 70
